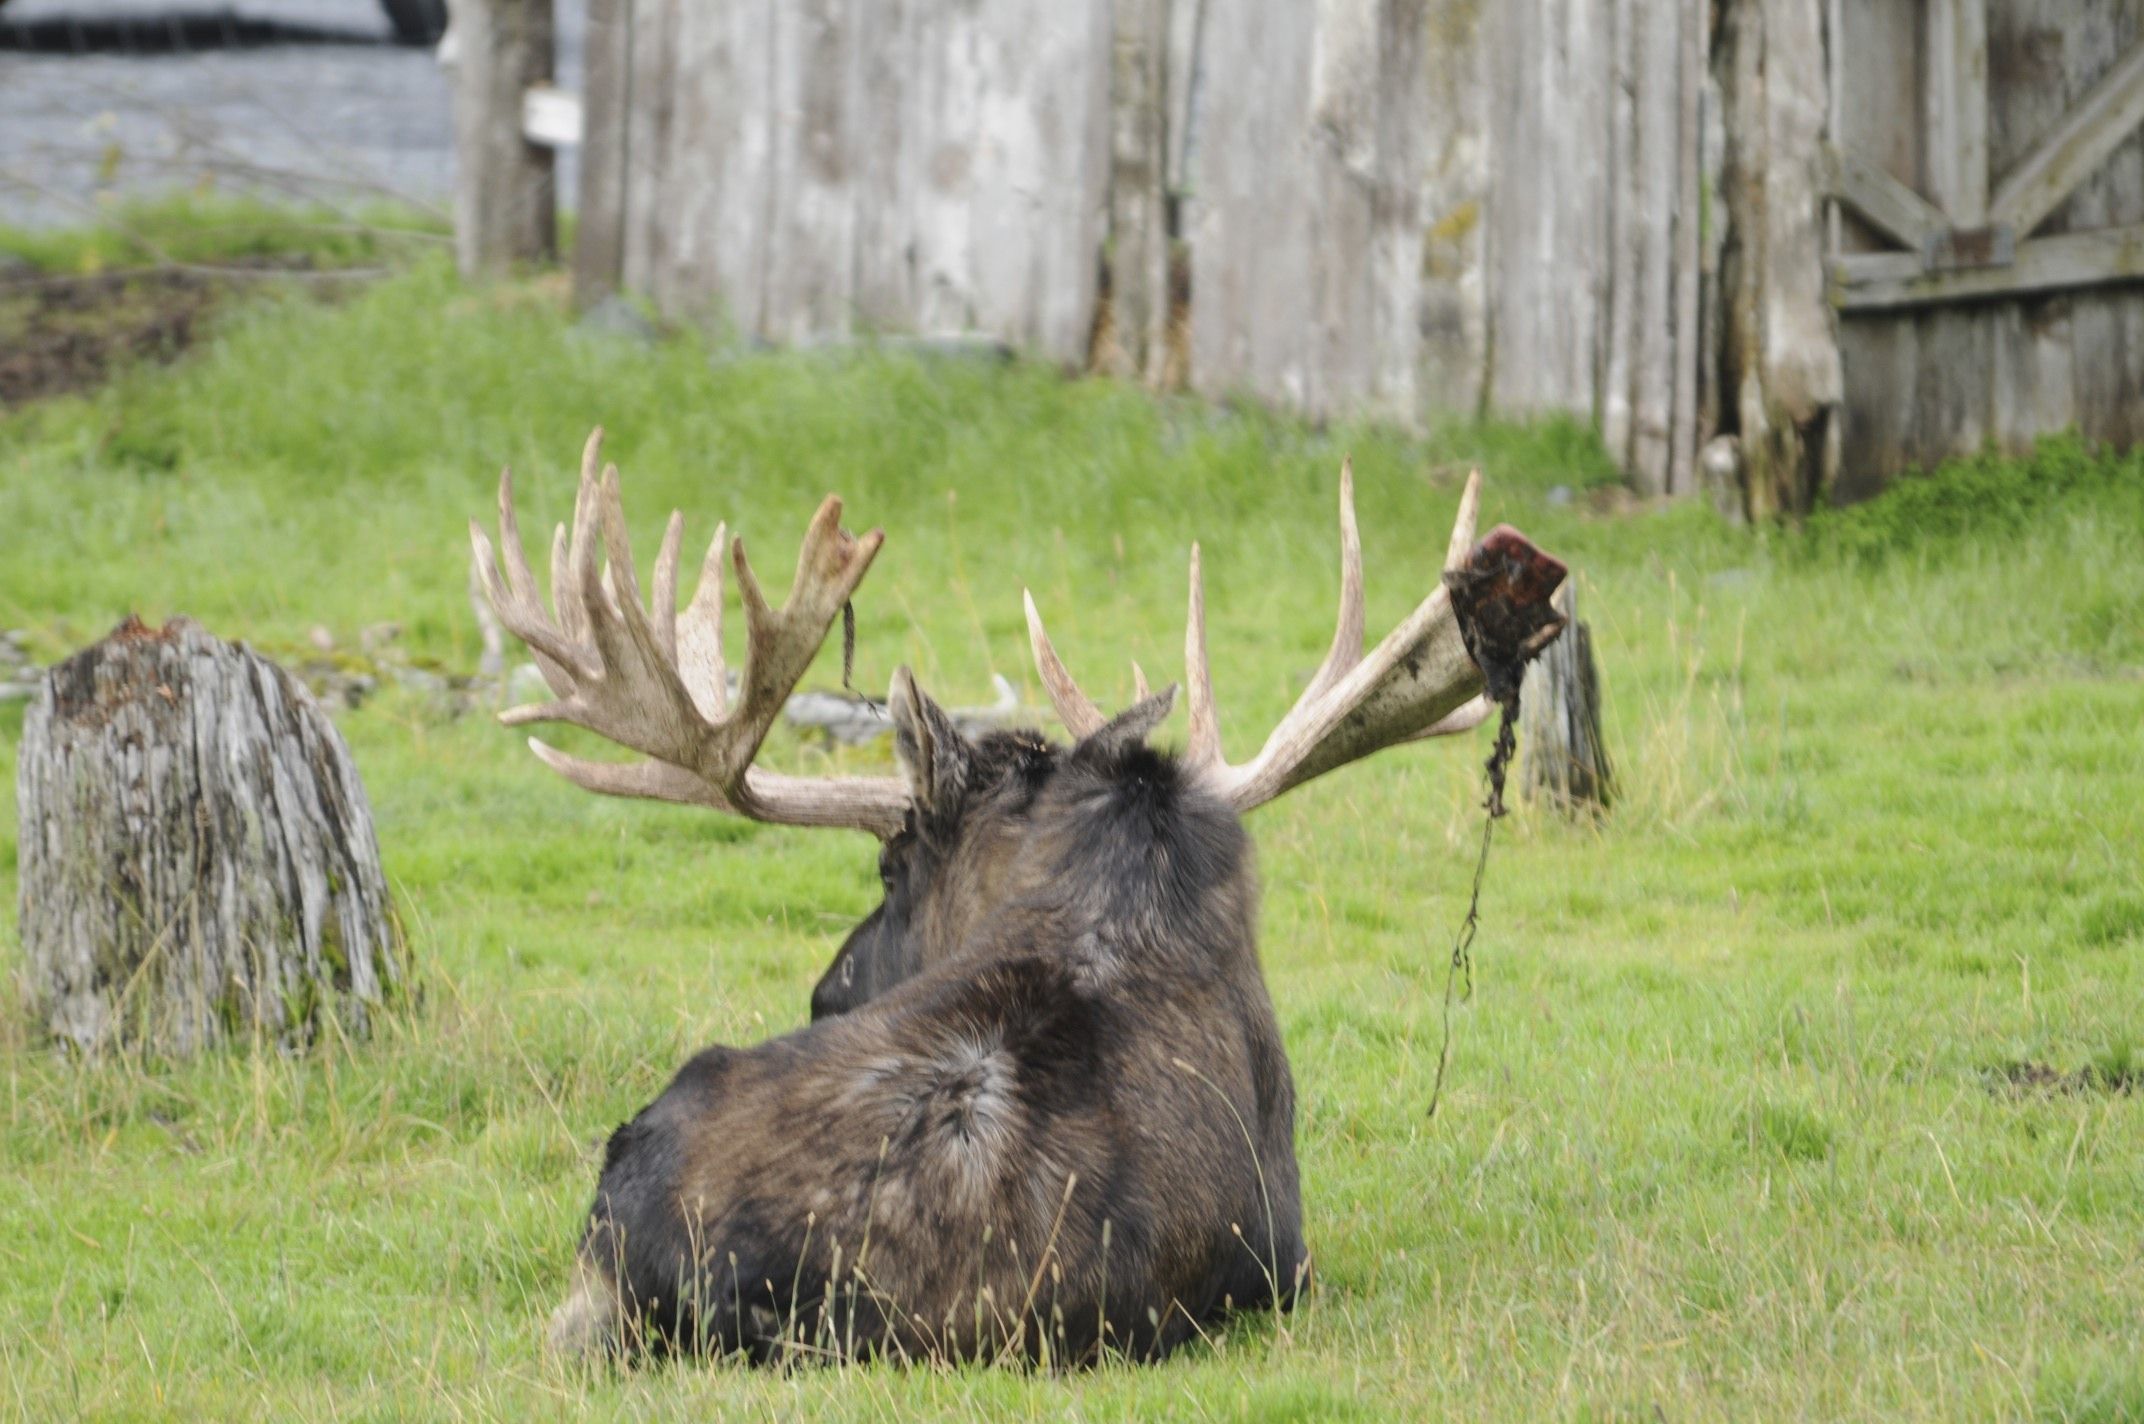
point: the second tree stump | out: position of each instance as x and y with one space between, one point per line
1563 760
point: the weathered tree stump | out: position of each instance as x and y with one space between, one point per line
1563 760
197 857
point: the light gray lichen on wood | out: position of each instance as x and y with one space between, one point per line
197 857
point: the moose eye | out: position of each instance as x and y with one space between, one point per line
888 864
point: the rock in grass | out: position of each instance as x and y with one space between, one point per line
197 859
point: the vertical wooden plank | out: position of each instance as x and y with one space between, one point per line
1251 239
2031 376
1583 244
2053 406
1652 368
1627 219
648 139
1450 311
1712 401
893 88
1881 354
2031 372
705 258
2120 181
1949 393
1834 116
1395 190
2130 302
1511 236
599 236
1307 249
1876 56
1138 213
1548 238
1955 96
1184 73
1341 171
808 277
1040 153
1682 442
945 139
1876 60
505 195
1367 123
1781 350
1949 410
2108 350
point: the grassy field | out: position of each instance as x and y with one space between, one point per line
1810 1084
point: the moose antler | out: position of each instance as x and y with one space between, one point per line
654 680
1418 682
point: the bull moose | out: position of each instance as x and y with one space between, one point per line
1043 1110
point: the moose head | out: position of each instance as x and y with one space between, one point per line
1043 1109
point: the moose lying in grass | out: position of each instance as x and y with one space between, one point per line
1043 1110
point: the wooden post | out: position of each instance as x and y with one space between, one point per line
1562 758
1138 212
1780 355
606 89
505 194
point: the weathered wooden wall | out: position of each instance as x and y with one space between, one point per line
1306 186
1925 382
1416 207
1615 209
802 168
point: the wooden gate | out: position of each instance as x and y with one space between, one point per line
1987 170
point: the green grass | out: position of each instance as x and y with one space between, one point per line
1730 1129
225 232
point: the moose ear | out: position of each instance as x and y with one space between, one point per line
933 753
1133 724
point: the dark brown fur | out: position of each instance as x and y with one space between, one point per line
1043 1109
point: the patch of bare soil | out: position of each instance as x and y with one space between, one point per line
69 333
63 332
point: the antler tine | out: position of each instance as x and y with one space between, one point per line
1341 658
1074 708
518 577
1139 687
699 636
572 562
662 602
1346 650
514 597
647 780
1204 747
623 578
780 643
1462 542
650 679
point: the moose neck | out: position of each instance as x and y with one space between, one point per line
1146 870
